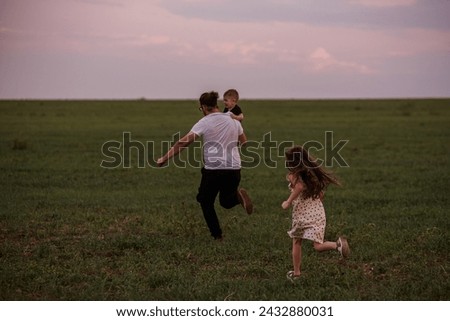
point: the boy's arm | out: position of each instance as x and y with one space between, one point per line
239 117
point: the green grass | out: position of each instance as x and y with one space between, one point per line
72 230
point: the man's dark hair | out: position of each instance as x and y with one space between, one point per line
209 99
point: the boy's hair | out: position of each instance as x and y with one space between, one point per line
209 99
306 167
233 93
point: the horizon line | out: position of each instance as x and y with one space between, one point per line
243 99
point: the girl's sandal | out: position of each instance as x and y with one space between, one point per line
292 277
342 247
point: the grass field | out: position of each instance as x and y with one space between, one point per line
73 230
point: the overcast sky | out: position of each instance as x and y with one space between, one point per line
113 49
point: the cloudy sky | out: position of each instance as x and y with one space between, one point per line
117 49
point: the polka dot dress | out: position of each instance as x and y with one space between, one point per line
308 219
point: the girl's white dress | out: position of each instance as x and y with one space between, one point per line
308 219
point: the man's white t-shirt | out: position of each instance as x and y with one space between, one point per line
220 140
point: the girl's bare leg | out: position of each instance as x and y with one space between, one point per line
325 246
297 255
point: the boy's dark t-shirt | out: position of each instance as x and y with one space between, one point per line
236 110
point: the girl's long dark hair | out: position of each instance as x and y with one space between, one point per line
308 169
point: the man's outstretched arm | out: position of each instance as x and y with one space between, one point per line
183 142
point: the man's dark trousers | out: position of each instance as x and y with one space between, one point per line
224 182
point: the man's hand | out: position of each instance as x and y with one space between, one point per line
160 162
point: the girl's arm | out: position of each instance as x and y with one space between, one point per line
297 189
322 195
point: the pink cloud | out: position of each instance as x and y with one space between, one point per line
415 42
146 35
322 60
150 40
384 3
241 52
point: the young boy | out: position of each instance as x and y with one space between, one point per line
230 100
